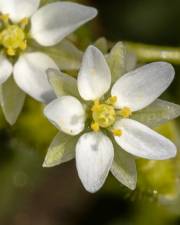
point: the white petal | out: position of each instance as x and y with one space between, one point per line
94 78
67 114
19 9
6 69
94 156
141 141
30 75
55 21
139 88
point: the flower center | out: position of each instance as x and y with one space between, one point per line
13 36
104 115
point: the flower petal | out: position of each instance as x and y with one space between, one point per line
139 88
30 75
55 21
19 9
141 141
94 78
124 168
67 114
94 156
6 69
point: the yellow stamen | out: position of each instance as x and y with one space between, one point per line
23 45
24 22
125 112
13 38
111 101
95 127
104 114
11 52
117 133
5 18
95 106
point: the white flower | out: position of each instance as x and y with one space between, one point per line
48 26
109 117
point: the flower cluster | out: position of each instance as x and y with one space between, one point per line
21 22
96 114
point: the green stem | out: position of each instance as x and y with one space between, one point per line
149 53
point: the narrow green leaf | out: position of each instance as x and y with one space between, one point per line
62 149
62 83
157 113
124 168
11 100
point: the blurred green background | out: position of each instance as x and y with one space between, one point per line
31 195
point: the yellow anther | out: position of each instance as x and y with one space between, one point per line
104 115
95 106
24 22
125 112
95 127
13 38
5 18
117 132
11 52
23 45
112 100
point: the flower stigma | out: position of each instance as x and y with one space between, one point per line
13 36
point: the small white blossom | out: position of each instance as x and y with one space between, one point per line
102 114
21 20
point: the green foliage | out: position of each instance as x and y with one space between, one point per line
124 168
62 83
120 61
11 100
62 149
102 45
158 113
33 127
66 55
160 176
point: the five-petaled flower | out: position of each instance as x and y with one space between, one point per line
20 21
105 117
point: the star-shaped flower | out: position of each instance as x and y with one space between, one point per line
104 117
20 22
